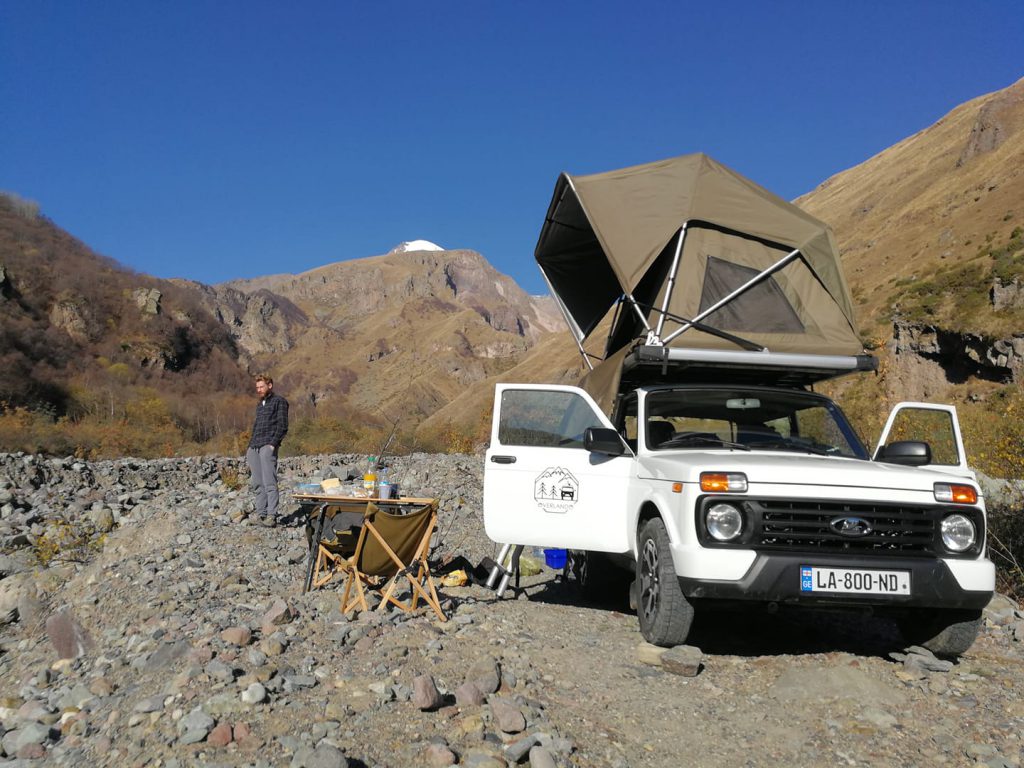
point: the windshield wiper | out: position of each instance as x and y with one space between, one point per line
687 440
792 445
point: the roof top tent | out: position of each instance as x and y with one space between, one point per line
696 267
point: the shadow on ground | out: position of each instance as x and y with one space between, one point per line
750 632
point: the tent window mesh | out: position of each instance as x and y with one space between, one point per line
764 308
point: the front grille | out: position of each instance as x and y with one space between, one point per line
803 525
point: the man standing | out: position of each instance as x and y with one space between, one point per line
268 431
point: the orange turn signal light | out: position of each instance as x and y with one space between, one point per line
964 494
723 482
957 494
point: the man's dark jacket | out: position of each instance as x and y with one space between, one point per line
271 423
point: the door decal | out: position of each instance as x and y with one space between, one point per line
556 490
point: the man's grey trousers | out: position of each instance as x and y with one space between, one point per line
263 466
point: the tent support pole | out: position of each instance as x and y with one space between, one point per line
738 292
671 284
639 312
583 352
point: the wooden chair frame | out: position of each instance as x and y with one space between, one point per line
416 572
327 564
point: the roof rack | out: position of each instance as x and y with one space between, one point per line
650 364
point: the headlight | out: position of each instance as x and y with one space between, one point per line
724 522
958 533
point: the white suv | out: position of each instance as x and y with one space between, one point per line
740 494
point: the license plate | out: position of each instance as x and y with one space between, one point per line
854 581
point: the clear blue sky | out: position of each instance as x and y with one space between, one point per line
218 140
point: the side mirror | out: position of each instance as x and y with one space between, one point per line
910 453
603 440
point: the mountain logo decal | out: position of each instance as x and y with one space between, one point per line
556 490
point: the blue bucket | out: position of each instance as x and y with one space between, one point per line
554 559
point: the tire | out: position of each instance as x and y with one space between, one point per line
664 612
943 632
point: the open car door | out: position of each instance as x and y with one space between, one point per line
541 486
934 424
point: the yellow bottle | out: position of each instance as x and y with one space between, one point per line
370 477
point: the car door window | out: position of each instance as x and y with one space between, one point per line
933 427
544 418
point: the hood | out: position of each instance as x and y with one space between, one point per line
765 470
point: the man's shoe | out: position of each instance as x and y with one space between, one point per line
268 522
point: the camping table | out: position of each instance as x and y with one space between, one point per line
317 504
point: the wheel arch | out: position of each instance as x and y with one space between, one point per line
648 511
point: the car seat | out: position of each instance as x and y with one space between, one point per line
658 432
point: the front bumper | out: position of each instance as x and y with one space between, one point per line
775 578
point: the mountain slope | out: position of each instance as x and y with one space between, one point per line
81 335
928 202
396 335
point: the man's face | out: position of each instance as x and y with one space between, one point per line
262 389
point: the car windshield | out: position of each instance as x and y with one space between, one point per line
748 419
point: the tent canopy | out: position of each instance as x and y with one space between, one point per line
687 238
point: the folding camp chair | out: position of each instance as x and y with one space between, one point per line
333 551
392 550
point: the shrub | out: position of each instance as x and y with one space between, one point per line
67 541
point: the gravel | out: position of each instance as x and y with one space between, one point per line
174 631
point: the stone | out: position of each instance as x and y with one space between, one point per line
166 655
195 726
150 704
240 636
278 614
101 686
68 637
13 590
438 756
683 660
324 756
241 732
650 654
507 716
254 694
218 670
220 736
31 752
540 757
102 518
469 695
30 607
425 695
1017 631
30 733
520 748
486 675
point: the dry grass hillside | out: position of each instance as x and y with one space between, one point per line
933 202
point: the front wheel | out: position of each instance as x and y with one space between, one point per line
664 612
943 632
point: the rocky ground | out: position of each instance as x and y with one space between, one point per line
183 637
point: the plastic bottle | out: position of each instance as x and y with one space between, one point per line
383 486
370 476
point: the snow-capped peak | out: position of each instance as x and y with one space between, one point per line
416 245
